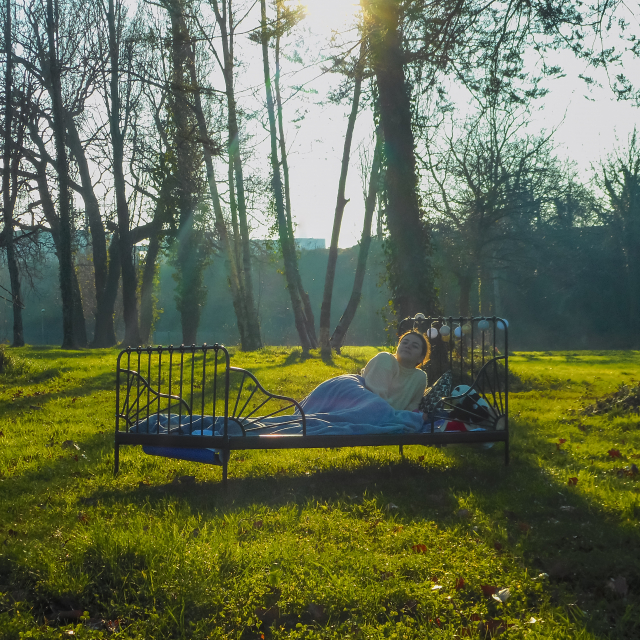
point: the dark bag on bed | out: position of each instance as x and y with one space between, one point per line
433 395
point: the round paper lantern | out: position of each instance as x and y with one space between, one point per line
432 333
502 324
419 316
466 329
483 325
457 332
445 330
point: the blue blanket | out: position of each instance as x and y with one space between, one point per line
339 406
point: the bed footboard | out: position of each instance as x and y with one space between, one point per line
187 402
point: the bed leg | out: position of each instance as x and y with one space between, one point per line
225 464
116 460
401 450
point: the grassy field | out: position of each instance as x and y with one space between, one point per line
350 543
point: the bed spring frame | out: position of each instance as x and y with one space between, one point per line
194 381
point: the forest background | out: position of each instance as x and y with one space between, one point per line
149 151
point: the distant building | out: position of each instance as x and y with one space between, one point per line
310 243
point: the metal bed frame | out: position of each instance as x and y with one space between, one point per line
188 382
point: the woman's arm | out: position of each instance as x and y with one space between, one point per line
378 374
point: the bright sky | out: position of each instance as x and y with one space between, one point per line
589 123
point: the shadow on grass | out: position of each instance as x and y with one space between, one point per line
92 384
518 509
547 526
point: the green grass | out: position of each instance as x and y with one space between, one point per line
348 543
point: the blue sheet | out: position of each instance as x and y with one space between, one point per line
339 406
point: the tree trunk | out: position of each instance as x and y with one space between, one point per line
337 339
98 234
286 241
306 302
147 302
129 279
65 256
253 335
9 190
48 209
79 322
410 273
208 149
111 288
190 292
465 281
325 310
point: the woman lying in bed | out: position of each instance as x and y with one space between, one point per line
396 378
383 399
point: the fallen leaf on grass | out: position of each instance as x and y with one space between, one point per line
572 482
460 583
1 434
488 590
614 453
419 548
502 595
113 625
618 586
436 587
83 517
258 524
562 440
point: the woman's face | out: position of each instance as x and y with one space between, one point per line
409 352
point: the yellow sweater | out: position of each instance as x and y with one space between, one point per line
402 388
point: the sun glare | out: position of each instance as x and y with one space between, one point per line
331 15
